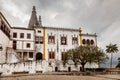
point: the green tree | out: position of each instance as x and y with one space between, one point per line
111 48
100 56
118 65
84 54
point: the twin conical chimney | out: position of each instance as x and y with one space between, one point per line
33 20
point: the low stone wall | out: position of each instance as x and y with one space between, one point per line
32 67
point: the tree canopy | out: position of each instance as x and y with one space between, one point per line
112 48
84 54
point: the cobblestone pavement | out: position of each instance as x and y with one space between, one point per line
63 77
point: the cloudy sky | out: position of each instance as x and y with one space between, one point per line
93 16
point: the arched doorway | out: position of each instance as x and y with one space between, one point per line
39 56
56 69
69 69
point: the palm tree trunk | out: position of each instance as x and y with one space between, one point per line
111 60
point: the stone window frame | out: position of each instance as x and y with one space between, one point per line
21 35
39 39
14 34
51 55
30 54
63 40
51 39
74 40
28 45
28 36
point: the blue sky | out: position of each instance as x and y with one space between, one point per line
93 16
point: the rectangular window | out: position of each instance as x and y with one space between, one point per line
28 45
39 31
14 35
14 45
63 40
41 40
28 36
21 35
74 40
51 39
24 55
30 54
63 55
37 39
51 55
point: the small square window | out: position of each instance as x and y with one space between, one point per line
41 40
30 54
51 55
74 40
14 35
63 40
63 55
28 45
37 39
39 31
51 39
21 35
28 36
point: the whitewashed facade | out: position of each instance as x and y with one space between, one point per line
23 42
39 48
4 38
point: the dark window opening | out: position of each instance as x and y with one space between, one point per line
28 36
30 54
21 35
83 41
63 56
92 42
14 35
51 39
51 55
14 45
39 31
39 40
63 40
28 45
74 40
39 56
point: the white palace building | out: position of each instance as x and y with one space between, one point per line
39 48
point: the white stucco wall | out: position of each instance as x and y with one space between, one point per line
39 47
4 41
61 48
90 38
22 42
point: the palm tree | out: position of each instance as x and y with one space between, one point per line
111 48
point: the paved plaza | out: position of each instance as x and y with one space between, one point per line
63 77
